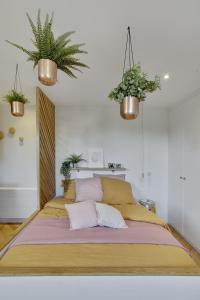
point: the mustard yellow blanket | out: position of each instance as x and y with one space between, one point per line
98 258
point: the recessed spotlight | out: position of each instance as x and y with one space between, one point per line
166 76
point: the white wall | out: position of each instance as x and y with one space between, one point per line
18 196
81 128
184 161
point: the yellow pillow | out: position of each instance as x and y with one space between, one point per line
69 189
58 202
116 191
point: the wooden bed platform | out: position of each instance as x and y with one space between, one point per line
97 271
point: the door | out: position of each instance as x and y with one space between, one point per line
176 183
191 216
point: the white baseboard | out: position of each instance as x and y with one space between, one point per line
11 220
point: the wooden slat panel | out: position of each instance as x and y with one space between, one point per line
46 137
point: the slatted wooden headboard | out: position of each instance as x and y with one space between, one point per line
46 147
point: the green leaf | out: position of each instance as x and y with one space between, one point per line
57 49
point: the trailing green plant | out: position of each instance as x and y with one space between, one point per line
134 83
49 47
65 169
13 95
75 159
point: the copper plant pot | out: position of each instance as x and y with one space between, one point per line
47 71
17 109
129 108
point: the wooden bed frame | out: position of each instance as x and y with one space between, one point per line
115 284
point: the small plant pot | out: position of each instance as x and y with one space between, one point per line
129 108
17 109
47 72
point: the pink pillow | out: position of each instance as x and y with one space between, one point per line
82 215
88 189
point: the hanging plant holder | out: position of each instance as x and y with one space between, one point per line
17 109
47 72
134 85
52 53
16 98
129 108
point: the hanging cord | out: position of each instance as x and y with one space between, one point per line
131 46
17 80
128 47
127 39
142 141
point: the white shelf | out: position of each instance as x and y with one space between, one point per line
78 169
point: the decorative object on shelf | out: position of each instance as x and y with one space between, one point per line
11 130
52 53
1 135
149 204
111 165
74 159
65 169
134 85
114 166
118 166
15 98
21 140
95 158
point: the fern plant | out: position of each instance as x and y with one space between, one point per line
75 159
57 49
13 95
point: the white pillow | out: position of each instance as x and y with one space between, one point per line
82 214
109 216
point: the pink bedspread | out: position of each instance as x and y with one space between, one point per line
56 231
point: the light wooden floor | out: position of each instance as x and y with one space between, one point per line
7 230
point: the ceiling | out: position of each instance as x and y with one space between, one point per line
166 39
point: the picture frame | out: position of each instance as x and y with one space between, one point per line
95 158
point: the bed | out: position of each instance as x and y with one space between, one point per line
46 246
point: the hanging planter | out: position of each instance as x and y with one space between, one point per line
47 71
52 54
133 87
129 108
16 99
17 108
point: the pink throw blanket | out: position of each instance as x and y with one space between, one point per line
57 231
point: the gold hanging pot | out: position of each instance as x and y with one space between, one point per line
47 71
17 109
129 108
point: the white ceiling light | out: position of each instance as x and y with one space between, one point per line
166 76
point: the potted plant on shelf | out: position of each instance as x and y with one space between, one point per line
74 159
65 170
132 90
16 100
51 53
